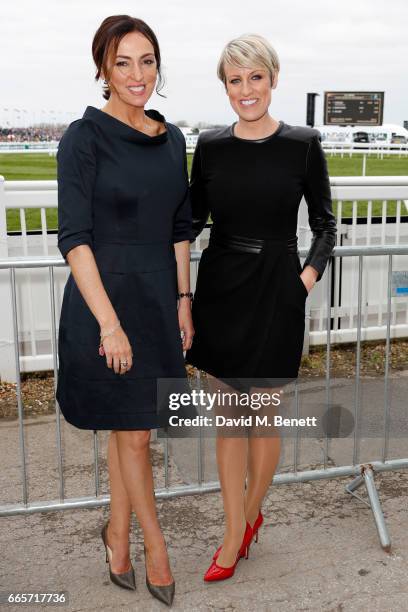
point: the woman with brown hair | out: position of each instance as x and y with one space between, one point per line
249 304
124 229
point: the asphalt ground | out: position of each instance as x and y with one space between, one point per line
318 549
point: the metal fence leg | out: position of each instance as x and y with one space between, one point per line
367 477
353 486
376 509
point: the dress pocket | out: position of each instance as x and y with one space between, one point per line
303 286
297 269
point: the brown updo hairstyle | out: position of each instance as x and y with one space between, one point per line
106 42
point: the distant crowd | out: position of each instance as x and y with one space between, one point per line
45 133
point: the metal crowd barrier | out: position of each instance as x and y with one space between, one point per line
363 473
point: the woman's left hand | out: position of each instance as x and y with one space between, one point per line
186 323
309 276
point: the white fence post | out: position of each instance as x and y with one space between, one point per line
7 358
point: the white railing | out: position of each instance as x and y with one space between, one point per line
370 148
32 284
345 272
43 146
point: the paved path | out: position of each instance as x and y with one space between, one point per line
318 551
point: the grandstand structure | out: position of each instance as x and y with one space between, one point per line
386 134
41 133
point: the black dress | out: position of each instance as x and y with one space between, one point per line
126 195
249 304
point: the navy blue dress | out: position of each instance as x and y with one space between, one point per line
126 195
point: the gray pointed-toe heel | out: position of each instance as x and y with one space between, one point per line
165 593
126 580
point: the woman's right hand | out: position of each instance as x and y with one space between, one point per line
117 349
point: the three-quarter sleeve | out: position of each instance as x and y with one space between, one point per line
199 201
182 227
318 198
76 176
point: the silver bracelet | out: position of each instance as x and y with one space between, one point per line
109 333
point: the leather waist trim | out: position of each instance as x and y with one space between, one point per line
250 245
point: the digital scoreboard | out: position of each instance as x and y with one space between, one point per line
353 107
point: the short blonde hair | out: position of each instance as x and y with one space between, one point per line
247 51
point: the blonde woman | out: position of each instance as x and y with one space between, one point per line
249 306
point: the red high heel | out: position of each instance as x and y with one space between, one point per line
216 572
257 524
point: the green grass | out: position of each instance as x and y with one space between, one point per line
391 165
41 166
33 219
28 167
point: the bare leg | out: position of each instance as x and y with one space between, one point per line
120 508
232 468
137 476
232 453
263 457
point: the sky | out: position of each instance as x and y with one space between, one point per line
353 45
